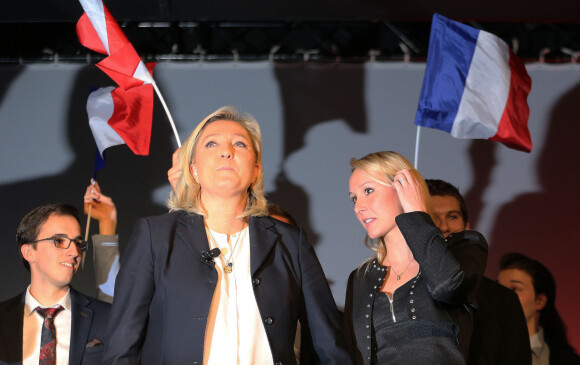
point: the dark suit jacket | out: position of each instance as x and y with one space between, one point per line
164 290
500 333
89 322
563 356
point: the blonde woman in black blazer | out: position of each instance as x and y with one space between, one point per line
175 282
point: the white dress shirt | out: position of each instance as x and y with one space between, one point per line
234 332
32 330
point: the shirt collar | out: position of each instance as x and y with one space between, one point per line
537 342
30 303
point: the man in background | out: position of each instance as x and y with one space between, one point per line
500 333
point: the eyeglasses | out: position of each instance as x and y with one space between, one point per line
62 241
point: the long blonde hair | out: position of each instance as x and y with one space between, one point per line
187 194
382 167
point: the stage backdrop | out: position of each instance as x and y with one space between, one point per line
314 118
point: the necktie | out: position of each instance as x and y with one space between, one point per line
48 335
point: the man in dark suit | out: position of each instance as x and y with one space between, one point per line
50 322
500 333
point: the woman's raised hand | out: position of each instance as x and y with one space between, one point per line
409 191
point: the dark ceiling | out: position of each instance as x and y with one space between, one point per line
321 30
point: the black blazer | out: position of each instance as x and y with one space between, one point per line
500 333
88 332
451 273
164 290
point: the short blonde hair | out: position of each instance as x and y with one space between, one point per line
187 194
382 167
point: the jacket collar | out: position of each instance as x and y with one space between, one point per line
82 318
192 232
262 237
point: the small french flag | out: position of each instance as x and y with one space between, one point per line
118 116
121 117
474 86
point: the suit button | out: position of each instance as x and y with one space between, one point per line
257 281
269 320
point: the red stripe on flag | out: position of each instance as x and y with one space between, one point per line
117 39
133 117
88 36
121 65
513 126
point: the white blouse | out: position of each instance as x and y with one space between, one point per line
234 333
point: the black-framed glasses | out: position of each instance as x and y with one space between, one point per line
62 241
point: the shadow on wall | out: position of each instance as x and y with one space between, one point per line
10 264
483 160
291 196
314 94
129 179
543 224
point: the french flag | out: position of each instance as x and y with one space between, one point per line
98 30
118 116
474 86
121 117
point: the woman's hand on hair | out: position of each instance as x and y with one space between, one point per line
409 191
174 173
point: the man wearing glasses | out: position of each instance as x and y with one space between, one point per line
51 323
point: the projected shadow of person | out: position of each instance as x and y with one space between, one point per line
312 95
129 179
542 224
482 154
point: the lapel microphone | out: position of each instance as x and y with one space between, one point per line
208 256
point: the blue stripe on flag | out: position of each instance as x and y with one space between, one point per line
451 49
99 164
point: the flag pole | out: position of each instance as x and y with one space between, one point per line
416 162
86 236
88 223
167 112
87 228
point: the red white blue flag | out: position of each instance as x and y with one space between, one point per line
98 30
119 116
474 86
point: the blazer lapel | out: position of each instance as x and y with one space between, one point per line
191 230
11 331
262 241
82 318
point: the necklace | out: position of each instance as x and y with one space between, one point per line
229 264
393 269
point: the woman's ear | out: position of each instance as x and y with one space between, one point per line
193 171
256 173
541 301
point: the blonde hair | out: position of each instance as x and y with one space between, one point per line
382 167
187 194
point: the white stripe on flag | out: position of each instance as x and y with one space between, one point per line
486 89
96 13
100 107
141 73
